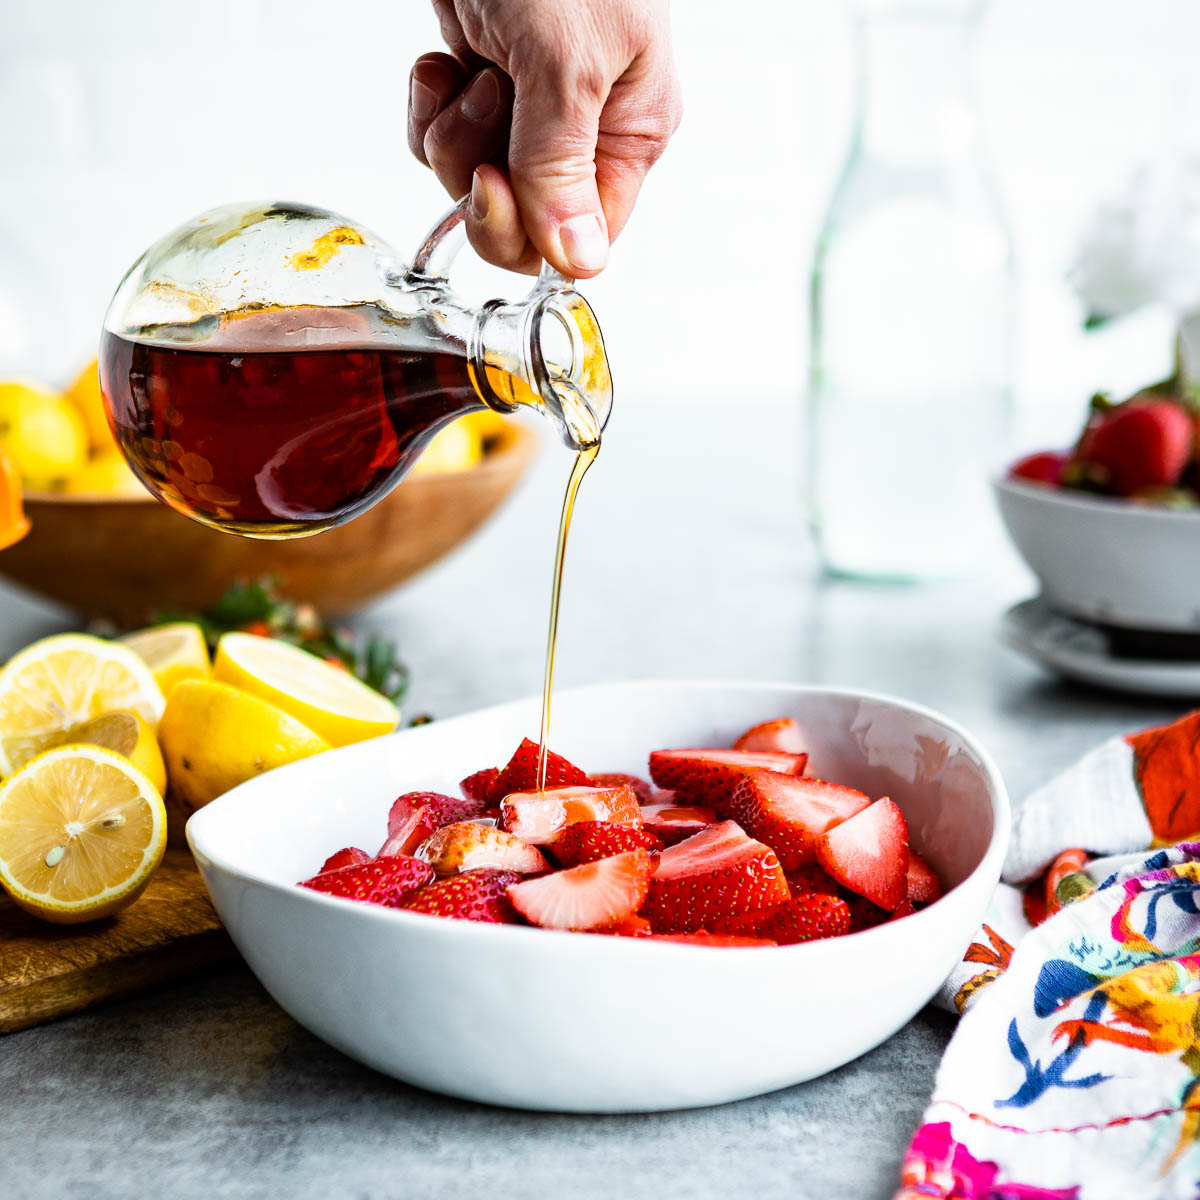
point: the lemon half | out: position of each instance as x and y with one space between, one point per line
173 652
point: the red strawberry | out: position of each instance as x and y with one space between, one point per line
587 841
587 897
810 880
806 918
789 812
714 940
521 773
469 844
672 823
745 924
717 874
478 895
386 881
349 857
923 885
481 786
869 854
630 927
641 788
1046 467
781 737
709 776
541 817
415 815
1142 443
903 909
863 914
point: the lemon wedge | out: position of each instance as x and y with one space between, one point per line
214 737
56 684
81 831
328 699
173 652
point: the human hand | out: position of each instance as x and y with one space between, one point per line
550 113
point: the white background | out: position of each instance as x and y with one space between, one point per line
118 120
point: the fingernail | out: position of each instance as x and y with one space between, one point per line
584 243
422 100
479 198
481 98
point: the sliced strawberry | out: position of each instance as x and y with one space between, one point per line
630 927
807 918
587 897
587 841
349 857
789 812
709 776
903 909
466 845
521 774
641 787
923 884
541 817
714 940
810 880
439 809
863 914
869 854
717 874
781 737
386 881
1045 467
478 895
671 823
1143 443
746 924
481 786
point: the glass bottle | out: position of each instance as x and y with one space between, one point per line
912 309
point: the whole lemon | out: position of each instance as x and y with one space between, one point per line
42 433
109 474
85 394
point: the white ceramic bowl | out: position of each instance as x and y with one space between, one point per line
1105 560
569 1022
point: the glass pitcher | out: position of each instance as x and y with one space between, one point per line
273 371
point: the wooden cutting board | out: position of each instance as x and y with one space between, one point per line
169 934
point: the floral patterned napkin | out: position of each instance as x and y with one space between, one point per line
1075 1072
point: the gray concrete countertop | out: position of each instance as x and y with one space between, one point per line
689 558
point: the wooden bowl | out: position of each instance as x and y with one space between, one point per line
127 558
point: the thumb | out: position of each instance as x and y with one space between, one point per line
552 165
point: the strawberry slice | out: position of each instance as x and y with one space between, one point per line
717 874
541 817
521 774
641 787
630 927
789 812
781 737
869 854
715 940
903 909
415 815
924 887
587 897
350 857
863 914
477 895
587 841
466 845
386 881
481 786
809 880
671 822
709 776
807 918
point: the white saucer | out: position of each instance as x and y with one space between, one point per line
1078 651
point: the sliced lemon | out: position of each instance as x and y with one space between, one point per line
58 683
126 734
214 737
328 699
172 652
81 831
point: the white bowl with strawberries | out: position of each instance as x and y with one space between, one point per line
773 893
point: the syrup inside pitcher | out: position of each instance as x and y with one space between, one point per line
274 371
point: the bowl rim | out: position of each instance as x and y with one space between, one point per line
464 933
1070 500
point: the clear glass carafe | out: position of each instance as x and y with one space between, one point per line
912 309
272 371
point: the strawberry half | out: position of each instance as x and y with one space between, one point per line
924 887
466 845
869 854
807 918
481 786
386 881
642 789
720 873
477 895
415 815
587 841
789 812
709 776
671 823
541 817
587 897
782 737
715 940
521 774
1142 443
350 857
